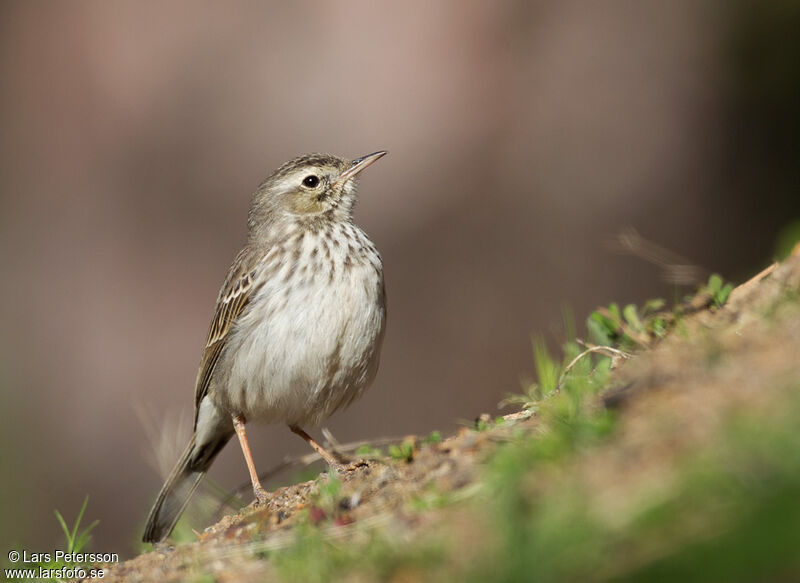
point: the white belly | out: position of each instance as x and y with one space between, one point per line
305 345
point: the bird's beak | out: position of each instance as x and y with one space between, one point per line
359 164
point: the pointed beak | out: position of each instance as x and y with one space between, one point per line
359 164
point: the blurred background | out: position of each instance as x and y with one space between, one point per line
522 135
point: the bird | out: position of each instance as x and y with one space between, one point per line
298 324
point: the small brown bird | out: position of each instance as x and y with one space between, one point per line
298 324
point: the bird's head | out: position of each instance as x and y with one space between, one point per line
309 189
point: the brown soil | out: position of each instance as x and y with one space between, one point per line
670 400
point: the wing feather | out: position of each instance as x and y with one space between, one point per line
233 298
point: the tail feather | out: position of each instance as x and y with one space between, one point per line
179 487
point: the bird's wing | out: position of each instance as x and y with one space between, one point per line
233 297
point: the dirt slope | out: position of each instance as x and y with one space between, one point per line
681 466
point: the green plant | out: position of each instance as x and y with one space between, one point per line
368 451
529 531
788 237
718 290
76 541
428 499
402 451
632 328
316 557
629 328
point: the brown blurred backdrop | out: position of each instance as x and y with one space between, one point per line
521 135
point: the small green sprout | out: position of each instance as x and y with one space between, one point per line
368 451
402 451
76 541
434 437
718 290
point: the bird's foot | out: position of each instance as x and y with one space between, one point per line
261 495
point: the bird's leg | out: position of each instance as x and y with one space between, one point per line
324 453
238 425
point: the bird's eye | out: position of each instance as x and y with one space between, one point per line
311 181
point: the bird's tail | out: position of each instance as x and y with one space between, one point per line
180 485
